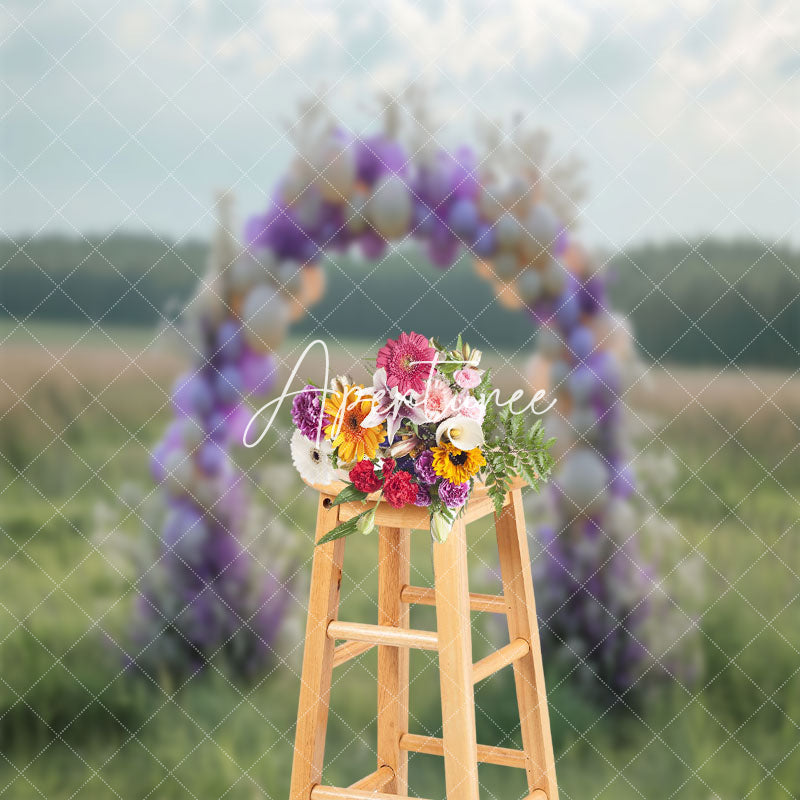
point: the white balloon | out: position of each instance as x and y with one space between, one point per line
584 422
507 232
541 228
549 341
390 208
514 195
248 270
529 285
294 186
556 428
337 168
490 202
209 304
554 277
506 265
620 521
559 372
307 209
583 480
265 316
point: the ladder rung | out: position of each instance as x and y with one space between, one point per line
487 754
332 793
477 602
383 634
375 781
513 651
344 652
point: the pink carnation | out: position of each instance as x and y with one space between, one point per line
404 360
468 378
437 401
468 406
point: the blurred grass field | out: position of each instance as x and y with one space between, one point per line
79 411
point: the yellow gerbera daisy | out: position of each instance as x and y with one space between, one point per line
457 466
347 409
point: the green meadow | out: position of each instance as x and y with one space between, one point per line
79 411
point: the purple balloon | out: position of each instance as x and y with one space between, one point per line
463 219
229 340
373 246
192 394
331 230
237 421
592 295
376 156
568 311
185 532
211 458
279 230
606 367
228 385
484 244
173 437
464 177
424 220
580 343
560 243
622 483
443 247
433 186
258 371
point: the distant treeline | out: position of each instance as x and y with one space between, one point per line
711 303
708 303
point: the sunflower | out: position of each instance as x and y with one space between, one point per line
346 410
457 466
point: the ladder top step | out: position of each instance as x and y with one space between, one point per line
383 635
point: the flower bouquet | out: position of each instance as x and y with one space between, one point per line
423 433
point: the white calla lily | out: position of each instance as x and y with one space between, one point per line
463 432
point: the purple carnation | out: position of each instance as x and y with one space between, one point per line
423 466
453 495
307 410
423 497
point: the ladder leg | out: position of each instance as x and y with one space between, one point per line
512 544
315 683
455 665
394 572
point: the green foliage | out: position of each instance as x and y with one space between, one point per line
514 449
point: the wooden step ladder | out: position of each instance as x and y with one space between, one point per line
453 642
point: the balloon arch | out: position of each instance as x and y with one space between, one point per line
342 192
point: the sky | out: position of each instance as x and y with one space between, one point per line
129 115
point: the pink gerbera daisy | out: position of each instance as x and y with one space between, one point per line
404 360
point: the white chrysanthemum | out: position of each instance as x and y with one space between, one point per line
312 462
